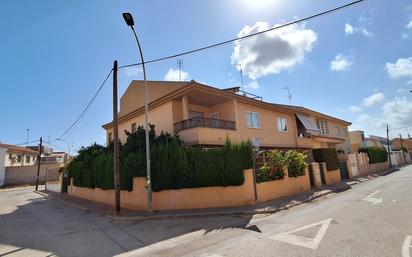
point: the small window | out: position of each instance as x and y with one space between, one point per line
133 127
253 119
18 158
110 137
282 126
323 127
28 159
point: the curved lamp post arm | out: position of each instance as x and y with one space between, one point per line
129 21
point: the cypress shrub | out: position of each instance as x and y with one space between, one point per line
328 155
173 166
375 154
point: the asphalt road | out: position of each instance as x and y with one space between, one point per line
373 218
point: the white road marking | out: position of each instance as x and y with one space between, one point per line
406 246
163 245
373 200
311 243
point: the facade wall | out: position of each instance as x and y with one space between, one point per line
161 117
134 96
268 130
165 115
11 159
27 174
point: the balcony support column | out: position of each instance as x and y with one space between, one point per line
185 107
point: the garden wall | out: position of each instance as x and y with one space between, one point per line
188 198
331 176
193 198
287 186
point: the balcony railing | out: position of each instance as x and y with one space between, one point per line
201 122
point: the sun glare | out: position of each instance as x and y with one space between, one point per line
259 4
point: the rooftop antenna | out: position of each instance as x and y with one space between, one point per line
289 94
180 67
241 77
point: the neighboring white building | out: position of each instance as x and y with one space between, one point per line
19 156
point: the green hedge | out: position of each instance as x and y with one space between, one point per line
328 155
177 167
173 166
375 154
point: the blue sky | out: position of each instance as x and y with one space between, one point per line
355 64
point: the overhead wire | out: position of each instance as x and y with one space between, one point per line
75 124
247 36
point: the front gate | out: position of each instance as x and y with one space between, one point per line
343 169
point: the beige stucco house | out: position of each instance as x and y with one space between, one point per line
204 115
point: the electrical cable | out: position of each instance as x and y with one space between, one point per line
247 36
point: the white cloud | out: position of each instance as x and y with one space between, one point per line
397 113
272 52
373 99
404 35
401 69
340 63
409 25
350 30
174 75
355 108
132 71
252 85
401 90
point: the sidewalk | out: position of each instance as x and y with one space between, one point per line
269 207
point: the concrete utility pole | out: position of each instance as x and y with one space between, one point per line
116 155
39 162
389 146
403 153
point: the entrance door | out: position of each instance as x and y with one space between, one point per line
343 169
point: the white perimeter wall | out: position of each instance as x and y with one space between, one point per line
2 165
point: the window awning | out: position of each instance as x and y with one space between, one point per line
308 123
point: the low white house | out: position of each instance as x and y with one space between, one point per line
19 156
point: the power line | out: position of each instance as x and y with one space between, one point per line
34 141
77 121
247 36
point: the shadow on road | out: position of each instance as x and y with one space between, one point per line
44 226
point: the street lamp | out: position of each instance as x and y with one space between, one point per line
68 145
129 21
